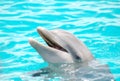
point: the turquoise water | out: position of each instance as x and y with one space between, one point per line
96 23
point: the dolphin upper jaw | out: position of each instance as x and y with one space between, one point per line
49 39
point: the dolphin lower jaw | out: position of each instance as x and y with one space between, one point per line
50 54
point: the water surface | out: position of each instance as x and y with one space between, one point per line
96 23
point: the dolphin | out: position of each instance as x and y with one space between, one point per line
63 47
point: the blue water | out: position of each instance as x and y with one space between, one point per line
96 23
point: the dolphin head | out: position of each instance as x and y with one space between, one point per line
63 47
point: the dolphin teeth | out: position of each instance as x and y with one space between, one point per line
54 45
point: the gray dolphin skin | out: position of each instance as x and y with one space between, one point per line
63 47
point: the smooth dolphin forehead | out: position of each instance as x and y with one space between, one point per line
64 36
61 33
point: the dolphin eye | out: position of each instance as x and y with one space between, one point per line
77 57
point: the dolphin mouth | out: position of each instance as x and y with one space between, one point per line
49 41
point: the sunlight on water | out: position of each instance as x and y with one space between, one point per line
94 22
